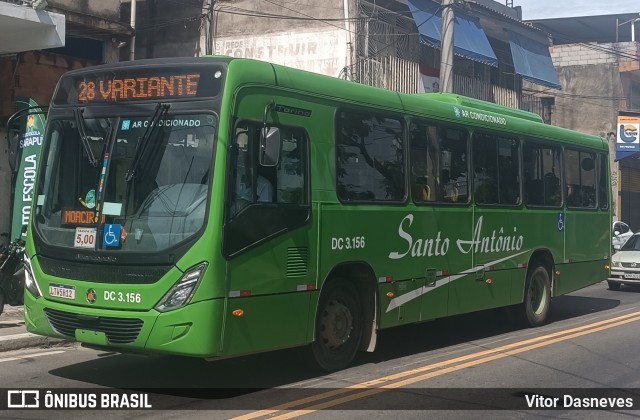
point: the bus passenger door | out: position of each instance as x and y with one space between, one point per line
267 242
493 237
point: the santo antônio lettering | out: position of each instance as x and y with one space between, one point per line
184 85
481 242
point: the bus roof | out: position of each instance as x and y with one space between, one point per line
440 106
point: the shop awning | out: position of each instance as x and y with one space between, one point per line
469 40
532 61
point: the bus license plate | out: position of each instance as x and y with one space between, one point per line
62 291
632 276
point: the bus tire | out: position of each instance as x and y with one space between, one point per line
338 326
613 285
537 297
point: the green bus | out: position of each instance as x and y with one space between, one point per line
216 207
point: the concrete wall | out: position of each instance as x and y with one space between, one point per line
592 88
165 28
308 44
323 52
586 103
106 9
591 53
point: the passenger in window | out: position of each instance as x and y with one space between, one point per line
572 196
421 190
551 189
264 190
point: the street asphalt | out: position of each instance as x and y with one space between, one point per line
14 335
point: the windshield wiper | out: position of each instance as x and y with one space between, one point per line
77 113
143 142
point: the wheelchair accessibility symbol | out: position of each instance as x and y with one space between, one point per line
111 237
560 222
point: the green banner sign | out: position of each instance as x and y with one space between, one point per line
30 141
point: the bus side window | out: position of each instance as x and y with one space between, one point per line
369 157
257 184
541 164
423 176
603 181
581 179
438 163
290 185
496 168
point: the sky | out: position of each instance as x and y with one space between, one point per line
544 9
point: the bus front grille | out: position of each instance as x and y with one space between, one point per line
117 330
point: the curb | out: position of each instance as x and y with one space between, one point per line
14 335
28 340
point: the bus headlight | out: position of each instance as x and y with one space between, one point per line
181 293
29 279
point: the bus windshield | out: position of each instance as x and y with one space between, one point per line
163 204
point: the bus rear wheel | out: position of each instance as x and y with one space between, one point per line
537 297
338 327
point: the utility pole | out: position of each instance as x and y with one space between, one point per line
446 47
132 51
209 28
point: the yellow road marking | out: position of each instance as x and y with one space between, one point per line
379 385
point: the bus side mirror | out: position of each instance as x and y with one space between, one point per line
269 146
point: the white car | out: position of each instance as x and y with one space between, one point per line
620 234
625 264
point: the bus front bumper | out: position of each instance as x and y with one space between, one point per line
193 330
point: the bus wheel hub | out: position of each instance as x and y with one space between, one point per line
337 324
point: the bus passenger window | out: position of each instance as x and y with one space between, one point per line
496 168
603 181
541 167
580 179
438 164
370 157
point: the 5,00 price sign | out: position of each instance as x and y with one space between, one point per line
85 237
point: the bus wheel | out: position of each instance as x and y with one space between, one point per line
338 327
537 297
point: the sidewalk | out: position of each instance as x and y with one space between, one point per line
14 335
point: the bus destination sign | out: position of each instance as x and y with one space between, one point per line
139 84
162 87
